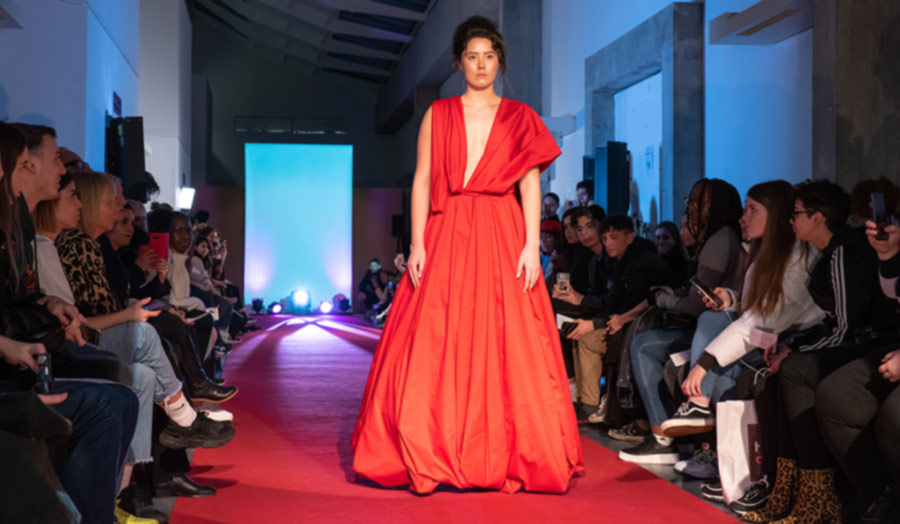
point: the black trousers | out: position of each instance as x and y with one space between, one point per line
859 414
772 423
799 377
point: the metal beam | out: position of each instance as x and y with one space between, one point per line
375 8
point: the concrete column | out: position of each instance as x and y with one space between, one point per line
522 29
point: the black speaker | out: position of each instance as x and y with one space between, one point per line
125 150
612 177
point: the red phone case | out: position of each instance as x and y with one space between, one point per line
159 242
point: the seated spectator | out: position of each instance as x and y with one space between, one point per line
551 229
858 406
584 193
670 248
550 206
861 198
636 270
102 416
371 289
574 254
711 227
858 319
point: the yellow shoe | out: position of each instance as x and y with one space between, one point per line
123 517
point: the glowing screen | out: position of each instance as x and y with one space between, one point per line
298 220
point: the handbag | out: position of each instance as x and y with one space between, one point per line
29 321
738 446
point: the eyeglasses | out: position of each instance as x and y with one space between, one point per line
807 212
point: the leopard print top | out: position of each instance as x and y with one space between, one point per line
83 263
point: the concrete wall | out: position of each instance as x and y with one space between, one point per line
758 98
165 32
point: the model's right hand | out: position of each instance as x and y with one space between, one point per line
416 265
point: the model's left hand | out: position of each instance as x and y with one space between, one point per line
890 368
691 384
530 267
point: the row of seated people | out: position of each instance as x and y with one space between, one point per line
800 315
130 348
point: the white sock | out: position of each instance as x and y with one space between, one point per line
180 411
664 441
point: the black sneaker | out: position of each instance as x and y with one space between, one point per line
690 419
712 490
754 498
584 412
203 433
650 451
886 508
631 432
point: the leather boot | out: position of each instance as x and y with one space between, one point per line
817 502
783 494
199 385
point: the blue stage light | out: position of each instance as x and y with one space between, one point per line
275 308
325 307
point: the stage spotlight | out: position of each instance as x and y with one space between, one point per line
325 307
275 308
257 305
340 304
301 299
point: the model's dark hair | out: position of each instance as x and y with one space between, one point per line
478 27
616 223
827 198
772 252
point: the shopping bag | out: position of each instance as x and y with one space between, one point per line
739 447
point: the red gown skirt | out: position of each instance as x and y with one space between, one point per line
467 385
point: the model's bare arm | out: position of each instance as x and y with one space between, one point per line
530 260
421 200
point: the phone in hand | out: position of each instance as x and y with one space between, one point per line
159 242
879 216
44 384
90 335
705 291
568 327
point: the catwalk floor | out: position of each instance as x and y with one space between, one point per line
301 381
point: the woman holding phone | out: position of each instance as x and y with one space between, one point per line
445 402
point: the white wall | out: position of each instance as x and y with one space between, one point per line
639 124
165 72
65 67
758 98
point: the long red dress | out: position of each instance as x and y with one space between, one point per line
467 385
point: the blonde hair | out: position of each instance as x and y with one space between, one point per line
92 187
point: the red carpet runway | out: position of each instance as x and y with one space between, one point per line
301 381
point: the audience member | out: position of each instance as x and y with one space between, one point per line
671 249
551 229
550 206
584 193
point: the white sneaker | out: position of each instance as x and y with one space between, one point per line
219 415
599 415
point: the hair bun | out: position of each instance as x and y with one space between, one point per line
478 27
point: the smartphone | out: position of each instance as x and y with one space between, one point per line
44 385
706 291
90 335
159 242
879 216
568 327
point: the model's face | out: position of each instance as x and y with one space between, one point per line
569 231
616 242
121 234
582 195
480 63
180 235
588 235
803 221
753 221
550 207
107 214
664 241
49 168
68 207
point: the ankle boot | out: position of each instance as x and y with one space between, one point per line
783 494
198 383
817 502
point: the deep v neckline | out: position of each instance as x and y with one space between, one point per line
462 109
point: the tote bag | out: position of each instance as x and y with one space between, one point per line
739 448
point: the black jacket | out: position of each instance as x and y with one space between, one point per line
844 284
632 276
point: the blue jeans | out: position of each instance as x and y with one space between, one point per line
103 420
649 352
718 383
138 345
